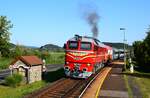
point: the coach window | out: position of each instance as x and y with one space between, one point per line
73 45
85 46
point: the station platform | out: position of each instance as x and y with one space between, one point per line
114 85
110 83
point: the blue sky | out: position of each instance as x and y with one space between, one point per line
39 22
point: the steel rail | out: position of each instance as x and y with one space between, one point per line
89 83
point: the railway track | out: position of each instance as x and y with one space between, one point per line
64 88
61 89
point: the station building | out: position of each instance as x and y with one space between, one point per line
30 67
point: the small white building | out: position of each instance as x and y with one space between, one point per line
30 67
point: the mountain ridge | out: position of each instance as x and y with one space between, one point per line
53 47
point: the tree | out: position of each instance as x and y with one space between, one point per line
5 26
142 52
147 48
18 51
138 51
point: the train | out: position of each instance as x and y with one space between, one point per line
85 55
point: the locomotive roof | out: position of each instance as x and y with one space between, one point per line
89 39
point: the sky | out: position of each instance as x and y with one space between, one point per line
40 22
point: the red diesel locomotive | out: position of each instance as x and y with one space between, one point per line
84 56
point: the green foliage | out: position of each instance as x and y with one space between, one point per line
19 50
50 57
5 26
142 52
14 80
128 87
5 62
51 47
127 64
20 91
140 79
144 86
143 81
55 58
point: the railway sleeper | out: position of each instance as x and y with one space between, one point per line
51 96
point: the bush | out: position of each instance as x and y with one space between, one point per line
5 62
142 53
54 57
14 80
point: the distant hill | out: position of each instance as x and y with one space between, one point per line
30 47
51 47
117 45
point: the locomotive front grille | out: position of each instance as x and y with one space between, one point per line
76 65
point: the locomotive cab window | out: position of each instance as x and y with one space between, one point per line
95 48
85 46
73 45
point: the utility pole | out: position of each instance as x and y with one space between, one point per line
123 29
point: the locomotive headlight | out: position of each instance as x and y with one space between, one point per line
67 62
88 64
84 69
66 68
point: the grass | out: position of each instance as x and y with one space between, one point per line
51 58
55 58
5 62
19 92
143 81
128 87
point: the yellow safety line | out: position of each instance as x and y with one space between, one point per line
103 78
97 92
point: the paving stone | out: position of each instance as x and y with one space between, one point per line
113 93
114 85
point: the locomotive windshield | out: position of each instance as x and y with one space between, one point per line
85 46
73 45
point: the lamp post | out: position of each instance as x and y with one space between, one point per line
123 29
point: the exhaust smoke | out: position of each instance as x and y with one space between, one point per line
91 16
